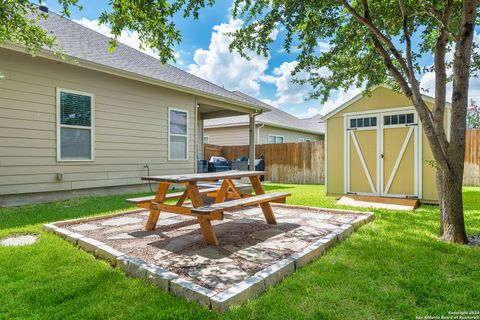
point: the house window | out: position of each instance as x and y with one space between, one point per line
301 140
205 139
75 123
272 138
177 134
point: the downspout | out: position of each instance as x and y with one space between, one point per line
258 132
195 136
252 139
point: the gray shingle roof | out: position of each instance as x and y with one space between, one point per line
275 117
79 42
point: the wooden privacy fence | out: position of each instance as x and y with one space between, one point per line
305 162
211 150
471 176
302 162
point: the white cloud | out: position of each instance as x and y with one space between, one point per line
311 111
323 46
129 38
427 81
337 98
288 92
341 98
294 49
220 66
274 34
270 102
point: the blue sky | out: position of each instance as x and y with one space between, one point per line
203 52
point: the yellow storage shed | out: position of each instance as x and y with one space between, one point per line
375 146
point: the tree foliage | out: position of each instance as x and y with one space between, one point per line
353 55
18 27
473 116
306 24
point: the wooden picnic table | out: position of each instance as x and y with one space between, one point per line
206 213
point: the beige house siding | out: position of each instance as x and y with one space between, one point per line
381 98
227 136
238 135
130 127
287 134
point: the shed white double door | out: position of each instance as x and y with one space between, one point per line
383 154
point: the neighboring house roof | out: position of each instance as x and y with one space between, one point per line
346 104
316 120
275 118
84 44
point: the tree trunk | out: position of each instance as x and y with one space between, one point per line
448 154
452 220
439 184
451 207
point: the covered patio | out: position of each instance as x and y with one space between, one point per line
211 109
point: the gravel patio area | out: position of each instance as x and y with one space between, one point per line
248 245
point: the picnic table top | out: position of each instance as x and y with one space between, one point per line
210 176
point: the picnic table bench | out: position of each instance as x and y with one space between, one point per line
145 202
206 213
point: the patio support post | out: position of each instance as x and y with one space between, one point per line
252 141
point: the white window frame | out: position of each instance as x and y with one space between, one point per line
60 125
363 117
208 140
177 135
398 125
276 136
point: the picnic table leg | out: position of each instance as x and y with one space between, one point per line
222 192
205 224
266 207
235 190
207 231
162 190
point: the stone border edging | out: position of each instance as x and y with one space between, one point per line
171 282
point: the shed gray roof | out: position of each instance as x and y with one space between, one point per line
82 43
274 117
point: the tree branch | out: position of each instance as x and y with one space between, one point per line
408 49
412 93
408 41
435 16
369 24
391 68
441 77
394 72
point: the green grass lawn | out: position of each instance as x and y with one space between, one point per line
392 268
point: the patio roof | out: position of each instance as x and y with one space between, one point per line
276 118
